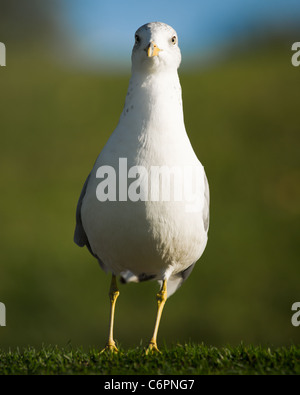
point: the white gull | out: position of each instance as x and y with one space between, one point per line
126 221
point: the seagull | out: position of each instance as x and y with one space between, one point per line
143 212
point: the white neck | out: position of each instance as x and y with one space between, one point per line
154 99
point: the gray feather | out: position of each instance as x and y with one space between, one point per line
185 273
80 237
176 280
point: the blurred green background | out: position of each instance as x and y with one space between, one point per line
242 117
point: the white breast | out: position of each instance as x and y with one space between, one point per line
152 236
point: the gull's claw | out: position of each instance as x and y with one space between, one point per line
110 347
152 348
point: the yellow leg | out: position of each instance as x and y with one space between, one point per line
161 300
113 295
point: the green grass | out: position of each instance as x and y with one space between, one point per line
180 359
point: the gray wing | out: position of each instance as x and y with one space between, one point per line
80 237
206 204
176 280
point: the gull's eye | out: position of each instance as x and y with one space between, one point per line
137 39
174 40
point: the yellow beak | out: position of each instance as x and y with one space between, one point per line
152 50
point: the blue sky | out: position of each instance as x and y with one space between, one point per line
103 31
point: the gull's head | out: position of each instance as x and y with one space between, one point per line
156 48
